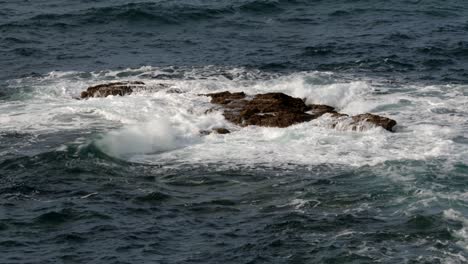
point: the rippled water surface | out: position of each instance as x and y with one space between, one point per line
131 180
423 39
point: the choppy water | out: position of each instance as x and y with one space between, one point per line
130 179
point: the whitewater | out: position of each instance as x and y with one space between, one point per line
164 125
159 129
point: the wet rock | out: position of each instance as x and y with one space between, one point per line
281 110
224 98
174 91
157 87
205 132
270 109
381 121
115 88
318 110
271 102
221 130
218 130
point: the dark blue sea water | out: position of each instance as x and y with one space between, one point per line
414 39
131 180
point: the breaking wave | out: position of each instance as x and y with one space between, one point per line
153 126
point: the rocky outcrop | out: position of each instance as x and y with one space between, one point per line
225 98
381 121
269 109
126 87
115 88
281 110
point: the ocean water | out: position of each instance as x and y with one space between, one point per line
131 180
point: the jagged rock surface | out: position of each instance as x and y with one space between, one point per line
115 88
281 110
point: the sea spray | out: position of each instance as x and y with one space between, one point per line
147 138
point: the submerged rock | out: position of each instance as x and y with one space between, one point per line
281 110
116 88
218 130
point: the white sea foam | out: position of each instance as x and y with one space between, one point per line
462 233
157 126
152 137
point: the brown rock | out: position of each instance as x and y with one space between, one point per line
281 110
225 97
276 119
270 109
274 102
116 88
221 130
381 121
321 108
318 110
